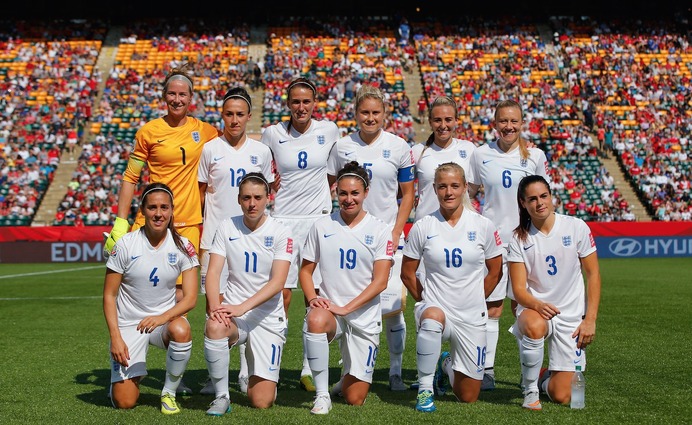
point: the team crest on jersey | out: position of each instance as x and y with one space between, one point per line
268 241
114 251
524 163
593 243
471 236
369 239
253 159
386 153
196 137
320 139
289 245
498 240
462 153
566 240
172 258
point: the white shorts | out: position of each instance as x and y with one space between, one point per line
467 342
504 286
265 347
138 346
300 227
358 350
563 354
204 266
393 298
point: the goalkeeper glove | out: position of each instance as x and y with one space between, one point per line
120 227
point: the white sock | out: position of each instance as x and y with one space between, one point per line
216 353
492 333
428 347
317 350
243 360
306 365
531 356
176 362
396 340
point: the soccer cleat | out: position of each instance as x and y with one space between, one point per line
220 406
396 383
532 401
336 389
243 382
168 405
208 388
322 405
183 389
307 383
542 376
488 383
415 384
425 401
441 378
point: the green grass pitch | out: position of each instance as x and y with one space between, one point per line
54 359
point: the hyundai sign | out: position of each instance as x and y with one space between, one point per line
644 246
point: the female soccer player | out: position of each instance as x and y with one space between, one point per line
498 166
354 250
457 245
440 147
300 148
257 250
170 147
139 301
225 161
546 256
389 164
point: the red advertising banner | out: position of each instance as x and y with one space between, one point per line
59 244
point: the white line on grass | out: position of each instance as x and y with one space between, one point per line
52 271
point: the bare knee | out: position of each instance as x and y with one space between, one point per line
179 330
355 399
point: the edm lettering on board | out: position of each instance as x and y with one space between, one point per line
69 252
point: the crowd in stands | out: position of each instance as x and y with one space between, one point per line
48 84
596 90
636 78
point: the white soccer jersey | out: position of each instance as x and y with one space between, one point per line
427 161
221 168
346 257
249 256
149 274
387 160
500 172
301 161
553 264
454 259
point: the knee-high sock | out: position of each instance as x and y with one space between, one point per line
428 347
217 356
396 339
492 333
306 365
176 362
243 360
317 349
531 356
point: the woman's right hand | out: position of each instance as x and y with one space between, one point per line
119 351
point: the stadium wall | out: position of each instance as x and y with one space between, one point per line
60 244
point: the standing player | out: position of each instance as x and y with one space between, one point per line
546 257
498 166
457 246
388 161
139 301
225 161
170 147
354 250
256 250
440 147
300 148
